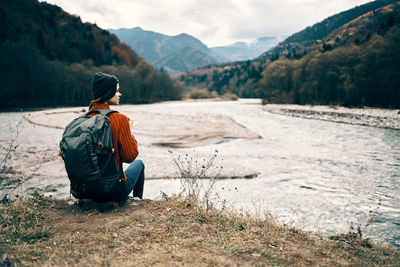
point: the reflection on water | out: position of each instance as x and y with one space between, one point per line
321 175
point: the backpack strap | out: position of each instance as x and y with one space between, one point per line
105 112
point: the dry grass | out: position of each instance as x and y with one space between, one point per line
178 230
170 231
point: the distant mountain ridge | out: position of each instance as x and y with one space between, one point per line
174 54
243 51
183 52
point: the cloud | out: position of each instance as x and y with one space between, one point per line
213 22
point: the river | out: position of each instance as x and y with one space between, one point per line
317 175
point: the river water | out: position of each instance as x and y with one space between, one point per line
318 175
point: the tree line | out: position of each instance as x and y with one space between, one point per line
354 75
32 80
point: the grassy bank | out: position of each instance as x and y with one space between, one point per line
170 231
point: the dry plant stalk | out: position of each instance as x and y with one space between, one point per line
15 140
13 145
194 172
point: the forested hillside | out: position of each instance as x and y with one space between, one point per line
48 58
300 43
355 62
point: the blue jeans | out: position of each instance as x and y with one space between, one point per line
135 179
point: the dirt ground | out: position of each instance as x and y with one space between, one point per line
172 231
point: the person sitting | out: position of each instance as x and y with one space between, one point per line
105 92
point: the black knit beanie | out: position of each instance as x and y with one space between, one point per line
104 85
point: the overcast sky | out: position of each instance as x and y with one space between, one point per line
214 22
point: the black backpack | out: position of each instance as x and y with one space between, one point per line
89 156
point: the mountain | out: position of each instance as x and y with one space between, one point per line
245 50
175 54
351 58
183 52
50 56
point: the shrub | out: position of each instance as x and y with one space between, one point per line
196 93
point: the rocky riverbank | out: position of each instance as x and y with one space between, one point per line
384 118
